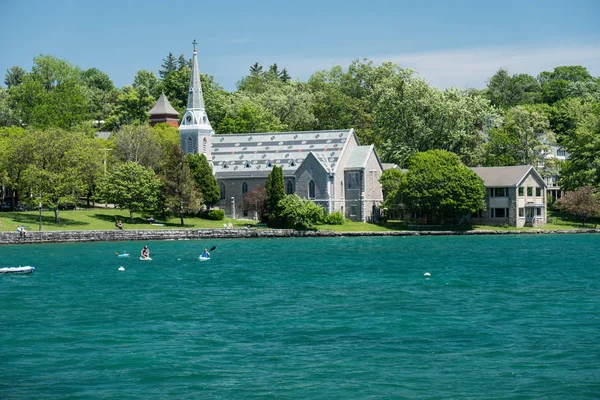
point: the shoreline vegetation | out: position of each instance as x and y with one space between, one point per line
98 224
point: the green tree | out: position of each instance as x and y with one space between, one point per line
51 95
507 91
275 188
582 202
169 65
55 174
140 144
439 186
101 95
246 116
7 115
555 85
205 181
131 186
180 195
149 81
391 181
582 168
132 108
522 139
14 76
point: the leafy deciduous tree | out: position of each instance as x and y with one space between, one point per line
583 203
205 181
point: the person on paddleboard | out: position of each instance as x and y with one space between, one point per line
205 254
145 252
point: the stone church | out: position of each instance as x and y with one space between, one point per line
329 167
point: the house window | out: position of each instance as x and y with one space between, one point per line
244 188
190 145
353 211
521 191
499 212
521 212
561 153
538 192
353 181
222 187
289 188
529 191
498 192
538 212
311 190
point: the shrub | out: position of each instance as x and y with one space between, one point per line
335 218
299 213
215 215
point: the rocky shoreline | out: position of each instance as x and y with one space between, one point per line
188 234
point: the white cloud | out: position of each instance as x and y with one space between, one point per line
443 69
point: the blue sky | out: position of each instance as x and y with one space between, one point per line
449 43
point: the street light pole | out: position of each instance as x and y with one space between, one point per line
40 206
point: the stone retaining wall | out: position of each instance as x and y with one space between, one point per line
175 234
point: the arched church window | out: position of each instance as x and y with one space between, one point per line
190 145
222 188
244 188
290 188
204 145
311 189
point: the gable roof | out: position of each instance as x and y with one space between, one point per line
163 106
505 176
358 157
254 154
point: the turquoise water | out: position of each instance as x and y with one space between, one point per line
501 317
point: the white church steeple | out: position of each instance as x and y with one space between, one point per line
195 131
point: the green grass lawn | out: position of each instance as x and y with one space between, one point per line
104 219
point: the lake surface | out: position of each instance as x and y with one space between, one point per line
501 317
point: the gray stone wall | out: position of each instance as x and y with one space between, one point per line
311 169
173 234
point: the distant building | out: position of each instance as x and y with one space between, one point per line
328 167
515 196
163 111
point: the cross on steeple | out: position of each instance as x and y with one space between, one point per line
194 43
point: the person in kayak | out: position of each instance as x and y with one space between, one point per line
145 252
205 254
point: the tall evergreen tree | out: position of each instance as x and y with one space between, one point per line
182 62
284 76
275 192
14 76
256 69
169 65
206 182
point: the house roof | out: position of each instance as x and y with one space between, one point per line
358 157
504 176
163 106
387 166
254 154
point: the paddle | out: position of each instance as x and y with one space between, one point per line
213 248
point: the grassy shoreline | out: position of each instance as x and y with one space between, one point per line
104 219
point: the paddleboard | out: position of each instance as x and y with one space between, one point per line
145 259
17 270
123 255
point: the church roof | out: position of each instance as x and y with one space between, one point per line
163 106
253 155
358 157
195 99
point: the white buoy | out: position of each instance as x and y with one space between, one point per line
427 274
121 268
